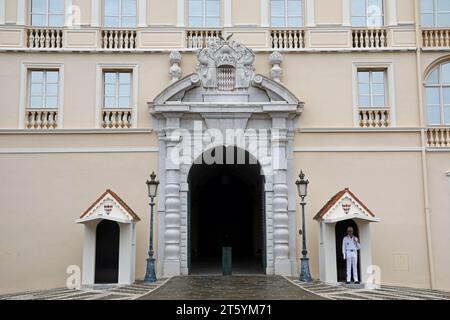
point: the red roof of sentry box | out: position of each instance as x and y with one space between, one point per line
335 199
118 199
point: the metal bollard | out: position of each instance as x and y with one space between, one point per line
227 261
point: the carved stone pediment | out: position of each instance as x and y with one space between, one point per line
234 59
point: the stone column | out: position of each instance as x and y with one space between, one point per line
172 200
280 196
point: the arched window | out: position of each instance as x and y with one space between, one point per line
437 91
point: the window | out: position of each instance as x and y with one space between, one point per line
47 13
286 13
204 13
371 88
43 86
117 89
367 13
437 91
435 13
120 13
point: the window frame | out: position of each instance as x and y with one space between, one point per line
117 96
120 16
371 83
47 15
434 14
366 25
440 86
44 89
204 16
286 15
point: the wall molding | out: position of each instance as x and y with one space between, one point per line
21 12
79 150
357 149
2 11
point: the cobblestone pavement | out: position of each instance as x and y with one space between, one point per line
130 292
341 292
230 288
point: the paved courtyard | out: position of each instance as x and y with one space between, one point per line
249 287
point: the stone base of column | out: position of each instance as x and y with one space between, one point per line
283 267
172 268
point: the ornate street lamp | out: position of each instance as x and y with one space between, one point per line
302 188
152 184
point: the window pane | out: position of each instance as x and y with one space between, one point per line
426 5
212 22
110 77
38 20
433 114
443 5
129 7
110 102
195 22
378 89
433 96
427 20
277 8
375 21
358 7
124 102
378 101
52 76
277 22
445 73
110 90
56 20
364 89
111 7
128 22
447 114
363 77
364 101
443 19
212 8
358 21
295 22
51 102
36 102
124 77
52 89
36 89
446 95
38 6
294 8
56 6
124 90
433 78
111 21
37 76
378 77
195 8
375 7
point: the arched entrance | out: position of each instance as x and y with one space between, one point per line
107 252
226 209
341 232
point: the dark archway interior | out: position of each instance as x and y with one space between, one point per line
341 232
226 209
107 252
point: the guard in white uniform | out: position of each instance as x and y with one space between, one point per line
350 247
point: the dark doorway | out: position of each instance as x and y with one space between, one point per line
226 209
107 252
341 232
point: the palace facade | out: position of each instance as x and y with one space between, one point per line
96 95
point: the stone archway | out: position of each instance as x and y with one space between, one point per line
226 208
202 111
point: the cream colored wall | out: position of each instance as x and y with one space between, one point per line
246 12
10 11
38 234
439 192
385 182
328 12
405 11
162 13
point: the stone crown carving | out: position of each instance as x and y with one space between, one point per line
225 54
